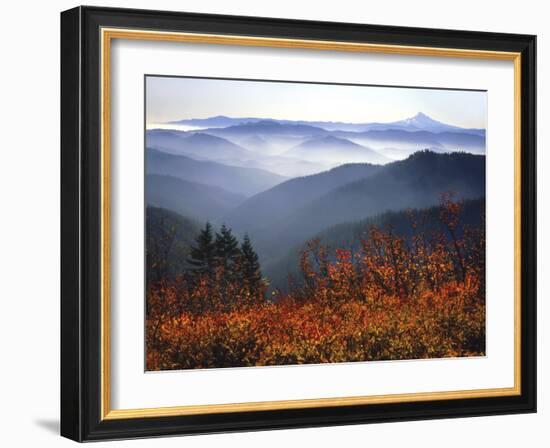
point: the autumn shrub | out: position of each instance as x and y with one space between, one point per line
395 298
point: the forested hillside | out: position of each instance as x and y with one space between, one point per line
273 242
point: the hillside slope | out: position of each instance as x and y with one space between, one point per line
197 201
348 235
416 182
284 199
245 181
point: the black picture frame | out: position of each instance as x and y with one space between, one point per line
81 224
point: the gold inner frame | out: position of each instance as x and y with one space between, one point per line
107 35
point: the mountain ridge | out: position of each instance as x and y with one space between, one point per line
419 121
241 180
290 195
196 201
416 182
331 149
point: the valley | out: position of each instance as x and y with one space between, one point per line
283 182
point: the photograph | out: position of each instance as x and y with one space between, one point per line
293 223
282 221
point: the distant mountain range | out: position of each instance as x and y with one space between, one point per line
271 127
204 146
399 143
299 148
332 150
419 122
200 146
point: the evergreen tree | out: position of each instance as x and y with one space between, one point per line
203 255
250 266
228 254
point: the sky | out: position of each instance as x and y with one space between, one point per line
172 98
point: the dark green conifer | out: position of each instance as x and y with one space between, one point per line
250 266
203 255
228 254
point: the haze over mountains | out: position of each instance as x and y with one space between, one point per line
243 181
288 197
197 201
416 182
283 182
204 146
299 148
332 150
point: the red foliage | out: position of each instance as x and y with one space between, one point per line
396 298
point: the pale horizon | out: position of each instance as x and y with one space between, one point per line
171 99
237 117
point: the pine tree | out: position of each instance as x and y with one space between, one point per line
228 254
203 255
250 266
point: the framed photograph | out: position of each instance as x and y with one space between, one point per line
273 223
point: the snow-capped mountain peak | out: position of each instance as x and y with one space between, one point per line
421 121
